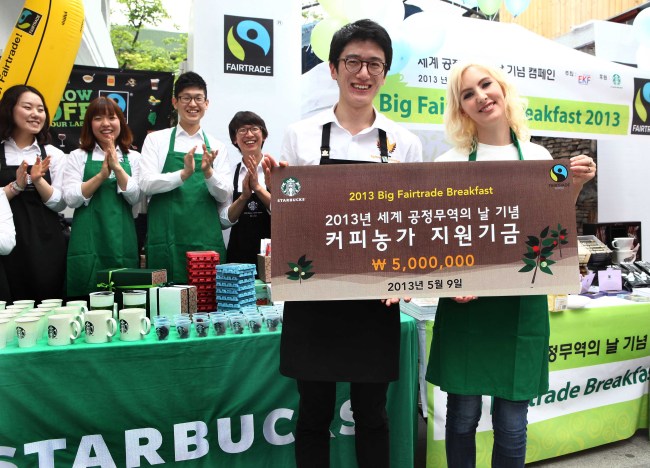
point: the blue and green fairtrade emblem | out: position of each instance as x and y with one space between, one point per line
559 173
290 186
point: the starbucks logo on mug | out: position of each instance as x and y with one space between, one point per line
51 331
20 332
90 328
124 326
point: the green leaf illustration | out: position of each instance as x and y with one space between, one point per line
234 46
300 270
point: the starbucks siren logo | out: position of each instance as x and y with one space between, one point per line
290 186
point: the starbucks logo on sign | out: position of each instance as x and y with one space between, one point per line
51 331
290 186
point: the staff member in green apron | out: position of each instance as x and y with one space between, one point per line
496 346
100 183
31 172
185 172
248 213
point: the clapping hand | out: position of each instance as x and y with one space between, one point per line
39 169
207 161
21 175
188 164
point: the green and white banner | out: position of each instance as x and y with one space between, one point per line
570 93
599 373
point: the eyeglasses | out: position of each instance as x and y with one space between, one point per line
374 67
245 130
186 98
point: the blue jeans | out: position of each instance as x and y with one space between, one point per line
509 423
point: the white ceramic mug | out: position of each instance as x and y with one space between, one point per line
11 327
42 317
5 323
623 256
56 302
623 243
27 303
100 326
76 312
134 324
62 329
27 329
81 303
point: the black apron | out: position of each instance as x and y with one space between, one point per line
341 341
35 269
253 225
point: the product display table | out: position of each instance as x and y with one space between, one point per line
599 373
215 401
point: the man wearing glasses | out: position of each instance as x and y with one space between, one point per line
184 171
363 346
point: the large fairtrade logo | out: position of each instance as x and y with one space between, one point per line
28 21
290 186
559 173
248 46
121 98
641 106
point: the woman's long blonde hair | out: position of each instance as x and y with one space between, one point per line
460 129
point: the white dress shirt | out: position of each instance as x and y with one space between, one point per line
154 153
7 228
15 156
302 141
74 176
530 151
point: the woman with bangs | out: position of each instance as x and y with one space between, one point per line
101 184
495 346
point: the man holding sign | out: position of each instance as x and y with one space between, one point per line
324 342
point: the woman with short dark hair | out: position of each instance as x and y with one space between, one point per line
248 213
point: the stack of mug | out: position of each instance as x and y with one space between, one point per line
63 325
623 250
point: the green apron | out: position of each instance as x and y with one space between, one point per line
103 233
495 346
181 220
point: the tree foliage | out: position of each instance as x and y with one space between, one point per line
136 54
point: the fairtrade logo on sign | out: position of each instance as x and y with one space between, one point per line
28 21
559 173
641 106
290 187
121 98
248 46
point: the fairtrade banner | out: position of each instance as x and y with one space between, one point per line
570 93
599 366
144 97
423 230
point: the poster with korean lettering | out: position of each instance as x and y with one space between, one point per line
423 230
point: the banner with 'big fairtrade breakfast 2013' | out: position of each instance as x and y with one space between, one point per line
423 230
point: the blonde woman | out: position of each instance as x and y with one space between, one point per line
495 346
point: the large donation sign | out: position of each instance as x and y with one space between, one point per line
423 230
